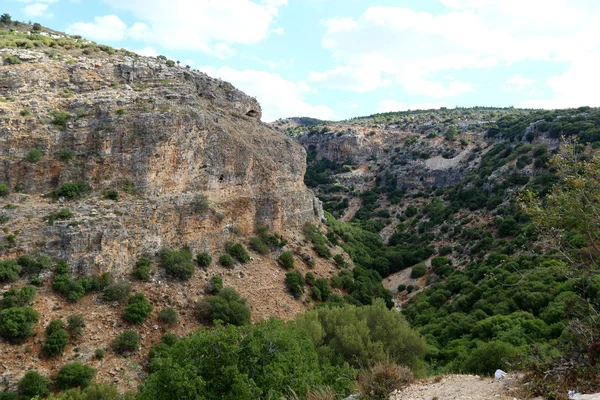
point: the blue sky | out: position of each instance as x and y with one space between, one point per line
335 59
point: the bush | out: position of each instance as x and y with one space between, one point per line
418 271
142 269
177 264
339 260
9 270
8 395
3 190
226 260
228 307
56 341
65 155
323 285
74 375
111 194
60 118
169 339
34 155
126 342
322 250
75 324
72 190
99 354
287 260
379 381
295 283
33 384
11 60
215 284
203 259
489 356
237 251
16 324
54 326
117 291
18 297
138 309
63 213
168 316
200 203
257 245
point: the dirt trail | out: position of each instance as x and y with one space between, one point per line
454 387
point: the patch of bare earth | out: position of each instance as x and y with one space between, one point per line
454 387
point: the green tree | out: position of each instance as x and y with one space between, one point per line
451 133
138 309
126 342
176 263
6 19
16 324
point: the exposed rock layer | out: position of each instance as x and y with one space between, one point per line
164 135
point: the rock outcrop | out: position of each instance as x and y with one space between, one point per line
188 154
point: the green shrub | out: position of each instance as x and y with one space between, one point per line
227 307
17 323
34 155
126 342
253 369
226 260
322 250
203 259
121 111
18 297
170 63
54 326
74 375
418 271
401 287
142 269
9 270
75 324
215 284
177 264
8 395
295 283
316 293
168 316
117 291
339 260
72 190
286 259
237 251
56 341
200 203
3 190
33 385
11 60
323 285
490 356
62 214
138 309
111 194
169 339
65 155
310 278
389 336
411 211
99 354
257 245
60 118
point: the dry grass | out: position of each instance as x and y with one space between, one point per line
382 379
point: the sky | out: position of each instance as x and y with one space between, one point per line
337 59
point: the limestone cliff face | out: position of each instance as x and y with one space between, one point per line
161 136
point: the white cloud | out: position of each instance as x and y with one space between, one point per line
415 48
147 51
37 1
517 82
109 28
391 105
37 10
574 88
278 96
209 26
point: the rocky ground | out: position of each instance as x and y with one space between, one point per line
455 387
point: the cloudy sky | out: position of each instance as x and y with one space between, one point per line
334 59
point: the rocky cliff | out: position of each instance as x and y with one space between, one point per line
191 160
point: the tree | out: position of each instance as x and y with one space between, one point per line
16 324
228 307
176 263
6 19
126 342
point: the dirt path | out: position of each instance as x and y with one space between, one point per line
454 387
